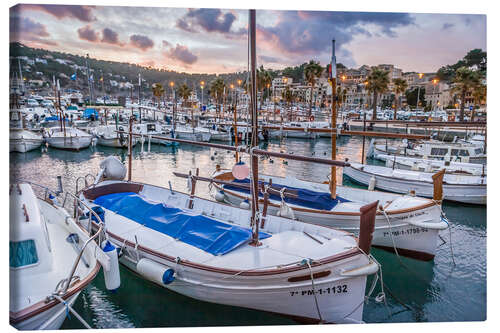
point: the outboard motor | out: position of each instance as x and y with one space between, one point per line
111 169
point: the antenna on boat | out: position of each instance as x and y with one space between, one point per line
333 81
253 105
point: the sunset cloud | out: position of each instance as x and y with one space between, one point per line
109 36
88 34
141 42
182 54
82 13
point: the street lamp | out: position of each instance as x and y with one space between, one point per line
202 83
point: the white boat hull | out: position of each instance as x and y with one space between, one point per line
471 194
24 145
408 239
51 319
293 134
70 143
194 136
295 300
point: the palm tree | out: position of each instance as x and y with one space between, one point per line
312 71
377 83
264 79
479 94
158 91
465 79
184 91
217 91
288 96
400 86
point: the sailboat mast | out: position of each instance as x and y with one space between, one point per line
333 81
253 106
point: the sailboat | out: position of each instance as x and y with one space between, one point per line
222 254
63 137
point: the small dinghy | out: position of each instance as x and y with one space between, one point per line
456 187
210 251
68 138
408 223
51 260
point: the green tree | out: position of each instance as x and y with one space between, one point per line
264 80
378 82
479 94
184 92
312 71
465 79
400 86
217 90
158 91
288 96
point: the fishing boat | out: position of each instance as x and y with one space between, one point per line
68 138
456 187
428 165
51 260
108 136
300 131
205 250
152 132
404 223
448 151
20 139
198 134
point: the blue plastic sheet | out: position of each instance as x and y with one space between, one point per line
207 234
306 198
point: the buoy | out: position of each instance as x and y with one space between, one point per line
245 204
155 271
220 196
111 276
371 184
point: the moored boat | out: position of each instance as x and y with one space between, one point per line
203 249
69 138
51 260
456 187
404 223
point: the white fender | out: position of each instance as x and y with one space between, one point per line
371 184
155 271
111 276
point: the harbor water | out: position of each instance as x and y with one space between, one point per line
452 287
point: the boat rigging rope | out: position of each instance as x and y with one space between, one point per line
308 262
69 308
445 219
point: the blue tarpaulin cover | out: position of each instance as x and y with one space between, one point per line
89 111
207 234
306 198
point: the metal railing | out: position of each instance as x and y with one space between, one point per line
99 232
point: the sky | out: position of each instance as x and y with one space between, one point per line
215 40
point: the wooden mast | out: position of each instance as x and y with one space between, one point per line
253 143
333 81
